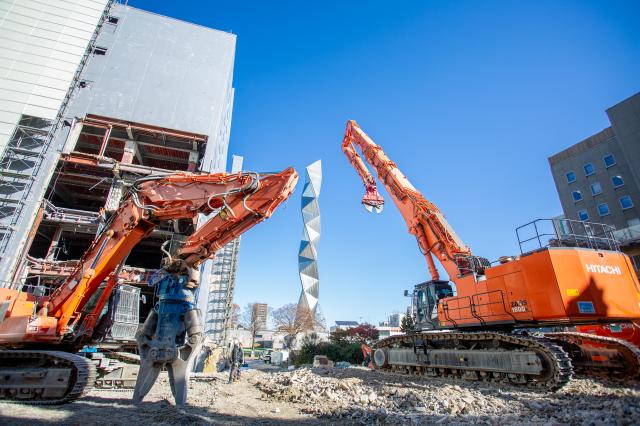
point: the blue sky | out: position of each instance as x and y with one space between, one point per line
469 98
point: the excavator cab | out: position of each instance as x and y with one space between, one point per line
426 296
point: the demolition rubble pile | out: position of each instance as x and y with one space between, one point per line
363 396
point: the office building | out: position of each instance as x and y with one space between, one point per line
598 179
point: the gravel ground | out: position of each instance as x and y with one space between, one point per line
368 397
347 396
211 401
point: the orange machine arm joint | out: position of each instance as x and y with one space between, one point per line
237 201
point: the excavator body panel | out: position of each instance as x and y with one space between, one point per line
625 331
18 324
553 286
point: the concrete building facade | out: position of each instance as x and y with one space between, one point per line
598 179
42 46
147 95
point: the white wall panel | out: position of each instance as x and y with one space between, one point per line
6 128
8 117
41 45
9 106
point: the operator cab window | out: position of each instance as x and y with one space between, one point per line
609 160
571 177
588 169
603 209
577 196
583 215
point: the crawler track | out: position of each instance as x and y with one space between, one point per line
521 360
591 353
44 377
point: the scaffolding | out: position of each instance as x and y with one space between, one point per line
221 287
222 284
19 166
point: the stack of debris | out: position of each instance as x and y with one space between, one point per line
368 397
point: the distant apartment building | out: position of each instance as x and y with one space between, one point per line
598 179
261 314
395 320
388 331
343 325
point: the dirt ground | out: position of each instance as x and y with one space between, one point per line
211 401
350 396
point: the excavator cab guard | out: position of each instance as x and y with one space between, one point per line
426 297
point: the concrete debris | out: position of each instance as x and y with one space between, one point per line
358 395
351 396
322 361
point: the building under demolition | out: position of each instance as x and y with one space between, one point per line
95 95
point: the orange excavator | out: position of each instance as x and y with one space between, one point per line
486 326
39 333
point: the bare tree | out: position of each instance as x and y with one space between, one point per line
320 321
251 321
234 317
292 320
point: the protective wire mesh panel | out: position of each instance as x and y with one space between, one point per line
126 312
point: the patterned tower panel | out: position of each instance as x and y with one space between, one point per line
308 255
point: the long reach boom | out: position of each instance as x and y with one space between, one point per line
424 220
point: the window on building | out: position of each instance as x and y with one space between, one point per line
583 215
99 50
588 169
617 181
603 209
112 19
571 177
609 160
596 188
626 202
577 196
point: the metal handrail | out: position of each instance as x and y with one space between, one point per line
473 307
568 233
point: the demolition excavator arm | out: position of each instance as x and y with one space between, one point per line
241 201
65 319
425 221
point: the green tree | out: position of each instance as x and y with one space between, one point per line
407 325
